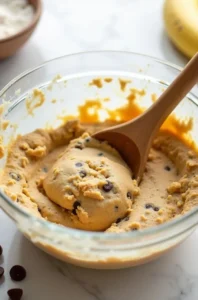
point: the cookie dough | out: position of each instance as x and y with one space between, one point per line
91 180
69 178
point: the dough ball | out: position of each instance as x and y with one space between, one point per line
91 180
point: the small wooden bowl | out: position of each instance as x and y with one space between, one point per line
10 45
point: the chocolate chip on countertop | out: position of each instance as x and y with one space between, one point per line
156 208
83 173
107 187
15 176
100 154
78 164
1 271
148 205
129 195
15 294
76 204
167 168
1 250
17 273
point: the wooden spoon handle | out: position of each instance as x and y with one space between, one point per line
177 90
150 121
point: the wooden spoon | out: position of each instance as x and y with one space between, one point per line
133 139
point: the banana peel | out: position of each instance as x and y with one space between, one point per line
181 23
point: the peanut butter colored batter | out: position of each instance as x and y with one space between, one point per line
67 177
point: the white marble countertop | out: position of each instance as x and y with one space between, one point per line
73 26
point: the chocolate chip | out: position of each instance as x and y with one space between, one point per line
17 273
129 195
79 147
15 294
45 169
100 154
39 210
78 164
118 220
116 208
87 140
76 204
148 205
167 168
126 219
156 208
83 173
134 229
1 250
1 271
15 176
107 187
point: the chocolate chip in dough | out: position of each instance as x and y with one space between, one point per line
17 273
76 204
45 169
15 294
129 195
78 164
156 208
107 187
83 173
118 220
79 147
87 140
15 176
148 205
1 250
126 219
116 208
134 229
1 271
167 168
100 154
39 210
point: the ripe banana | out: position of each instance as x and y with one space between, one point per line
181 23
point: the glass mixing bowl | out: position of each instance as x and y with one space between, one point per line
63 95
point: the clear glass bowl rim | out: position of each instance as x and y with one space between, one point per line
92 234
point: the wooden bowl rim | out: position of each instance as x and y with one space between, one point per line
35 20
